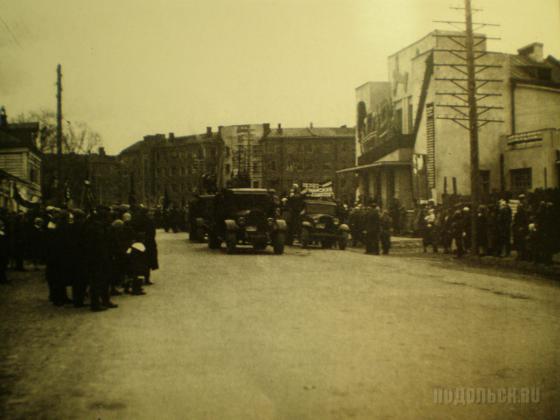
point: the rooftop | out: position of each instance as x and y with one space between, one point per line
311 132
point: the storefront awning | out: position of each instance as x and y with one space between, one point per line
375 165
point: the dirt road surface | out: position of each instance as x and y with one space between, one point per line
312 334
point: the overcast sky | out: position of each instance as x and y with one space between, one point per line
134 67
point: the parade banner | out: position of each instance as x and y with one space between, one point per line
324 190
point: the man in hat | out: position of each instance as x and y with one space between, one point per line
98 242
521 229
372 227
504 229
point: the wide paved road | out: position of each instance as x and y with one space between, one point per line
312 334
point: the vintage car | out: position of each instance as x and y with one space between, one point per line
201 209
247 216
319 223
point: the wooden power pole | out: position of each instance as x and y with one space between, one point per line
59 134
473 128
469 114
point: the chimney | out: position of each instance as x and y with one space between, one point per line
101 151
209 131
311 124
171 136
266 128
534 52
279 129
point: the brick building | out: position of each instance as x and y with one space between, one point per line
307 155
160 165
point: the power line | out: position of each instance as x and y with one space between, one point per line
10 32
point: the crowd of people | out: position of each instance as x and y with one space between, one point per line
528 225
531 228
97 255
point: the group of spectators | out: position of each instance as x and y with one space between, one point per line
529 225
371 226
94 254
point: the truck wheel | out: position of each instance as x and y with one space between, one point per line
200 234
231 242
278 243
213 241
192 234
305 238
343 241
259 246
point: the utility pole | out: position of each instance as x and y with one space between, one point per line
468 93
59 133
473 128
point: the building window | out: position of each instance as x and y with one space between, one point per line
521 180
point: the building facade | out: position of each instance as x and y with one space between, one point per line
242 161
20 163
172 168
307 155
415 145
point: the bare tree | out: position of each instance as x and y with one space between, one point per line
77 136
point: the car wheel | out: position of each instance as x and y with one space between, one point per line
343 241
231 242
305 238
278 243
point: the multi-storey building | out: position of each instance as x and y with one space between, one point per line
307 155
411 144
171 166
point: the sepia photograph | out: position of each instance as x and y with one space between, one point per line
279 209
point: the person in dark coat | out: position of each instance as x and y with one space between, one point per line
356 221
504 229
97 237
4 252
37 242
146 233
492 231
138 266
55 253
78 263
19 241
521 231
385 234
458 232
372 229
482 229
